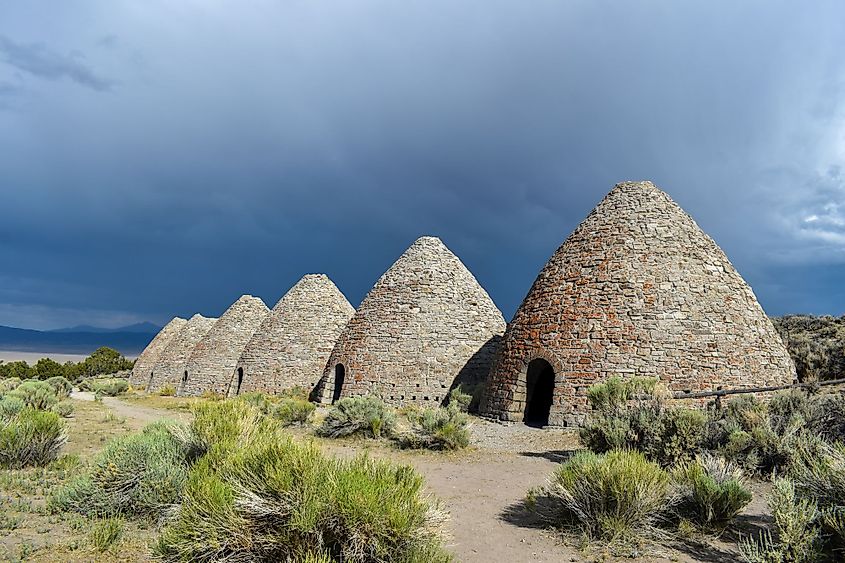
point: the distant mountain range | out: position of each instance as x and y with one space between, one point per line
146 328
128 340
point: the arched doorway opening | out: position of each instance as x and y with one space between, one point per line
150 382
339 376
539 389
240 380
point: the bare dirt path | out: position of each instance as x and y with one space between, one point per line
136 415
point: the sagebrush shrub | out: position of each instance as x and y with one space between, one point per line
616 496
797 539
459 400
819 475
10 406
825 416
368 416
36 394
665 435
436 429
8 383
137 475
30 438
712 491
61 386
111 387
293 411
63 408
615 392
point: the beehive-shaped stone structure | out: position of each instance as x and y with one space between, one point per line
292 345
213 359
637 289
142 371
171 364
424 327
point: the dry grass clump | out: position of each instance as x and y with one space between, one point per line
616 497
366 416
167 391
105 532
30 438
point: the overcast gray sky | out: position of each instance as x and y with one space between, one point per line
161 158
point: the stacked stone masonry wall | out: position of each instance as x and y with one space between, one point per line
174 358
636 289
146 362
211 366
425 326
293 344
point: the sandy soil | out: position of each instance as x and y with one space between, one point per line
483 487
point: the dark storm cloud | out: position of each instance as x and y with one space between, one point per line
38 60
248 145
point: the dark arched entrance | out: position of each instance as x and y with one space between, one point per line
240 380
150 382
339 376
539 389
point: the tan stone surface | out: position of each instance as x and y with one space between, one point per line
212 362
146 362
637 289
173 360
426 325
292 345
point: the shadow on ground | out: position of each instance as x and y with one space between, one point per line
555 456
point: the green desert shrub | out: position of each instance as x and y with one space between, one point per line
222 426
30 438
63 408
259 400
797 538
271 499
295 392
137 475
615 392
105 532
10 406
630 414
819 475
61 386
167 391
8 383
36 394
293 411
825 416
612 497
711 490
459 399
436 429
111 387
367 416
